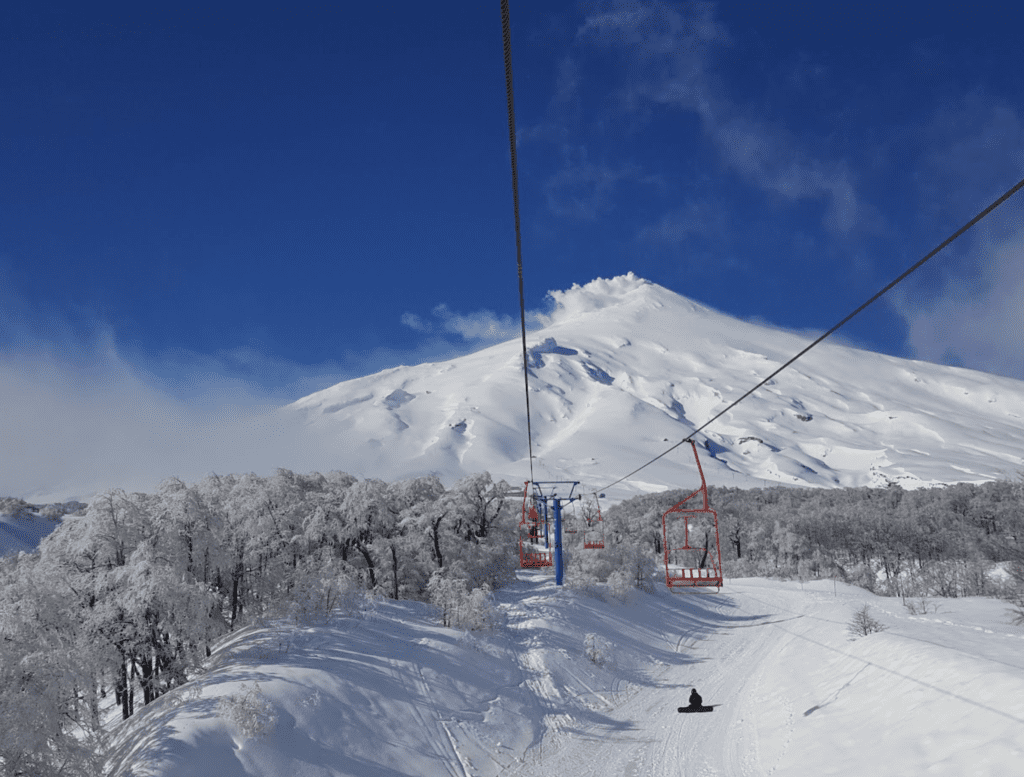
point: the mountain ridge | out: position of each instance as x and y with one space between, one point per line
623 366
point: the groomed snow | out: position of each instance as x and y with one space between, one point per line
393 693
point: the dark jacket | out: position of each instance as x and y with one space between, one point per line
695 699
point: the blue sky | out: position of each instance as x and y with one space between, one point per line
245 204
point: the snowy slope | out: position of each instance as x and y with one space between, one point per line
23 531
625 365
395 694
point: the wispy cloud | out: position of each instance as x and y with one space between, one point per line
974 148
667 57
78 423
564 110
974 318
481 326
413 321
694 218
84 412
768 156
583 189
73 427
975 323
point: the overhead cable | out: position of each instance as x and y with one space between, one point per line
1013 190
507 35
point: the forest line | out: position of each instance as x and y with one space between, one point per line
127 596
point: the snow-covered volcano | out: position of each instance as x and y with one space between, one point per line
625 367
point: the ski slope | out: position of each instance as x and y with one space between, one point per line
393 693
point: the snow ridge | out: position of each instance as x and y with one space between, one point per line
578 684
624 366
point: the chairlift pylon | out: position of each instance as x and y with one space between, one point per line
688 566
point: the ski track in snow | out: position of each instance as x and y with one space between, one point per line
645 736
940 694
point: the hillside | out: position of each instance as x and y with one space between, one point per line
393 693
624 367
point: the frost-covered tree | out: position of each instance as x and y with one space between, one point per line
365 518
49 719
864 623
484 502
484 524
192 528
405 554
459 606
322 584
323 524
250 710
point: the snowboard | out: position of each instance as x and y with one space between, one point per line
708 708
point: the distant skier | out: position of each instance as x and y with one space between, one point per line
695 699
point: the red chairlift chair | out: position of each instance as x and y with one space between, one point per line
532 533
593 535
687 566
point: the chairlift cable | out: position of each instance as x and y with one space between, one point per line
507 36
1013 190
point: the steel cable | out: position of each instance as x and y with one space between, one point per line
1013 190
507 36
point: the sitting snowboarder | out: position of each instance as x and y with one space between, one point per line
697 704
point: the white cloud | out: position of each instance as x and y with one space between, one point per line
413 321
975 318
694 218
583 189
83 413
976 323
769 157
668 55
77 423
73 427
481 325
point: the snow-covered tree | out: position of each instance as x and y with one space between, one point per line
191 526
49 721
484 524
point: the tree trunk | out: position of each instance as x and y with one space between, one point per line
146 665
121 689
394 572
369 563
435 528
736 538
236 579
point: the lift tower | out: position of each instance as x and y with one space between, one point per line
535 539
